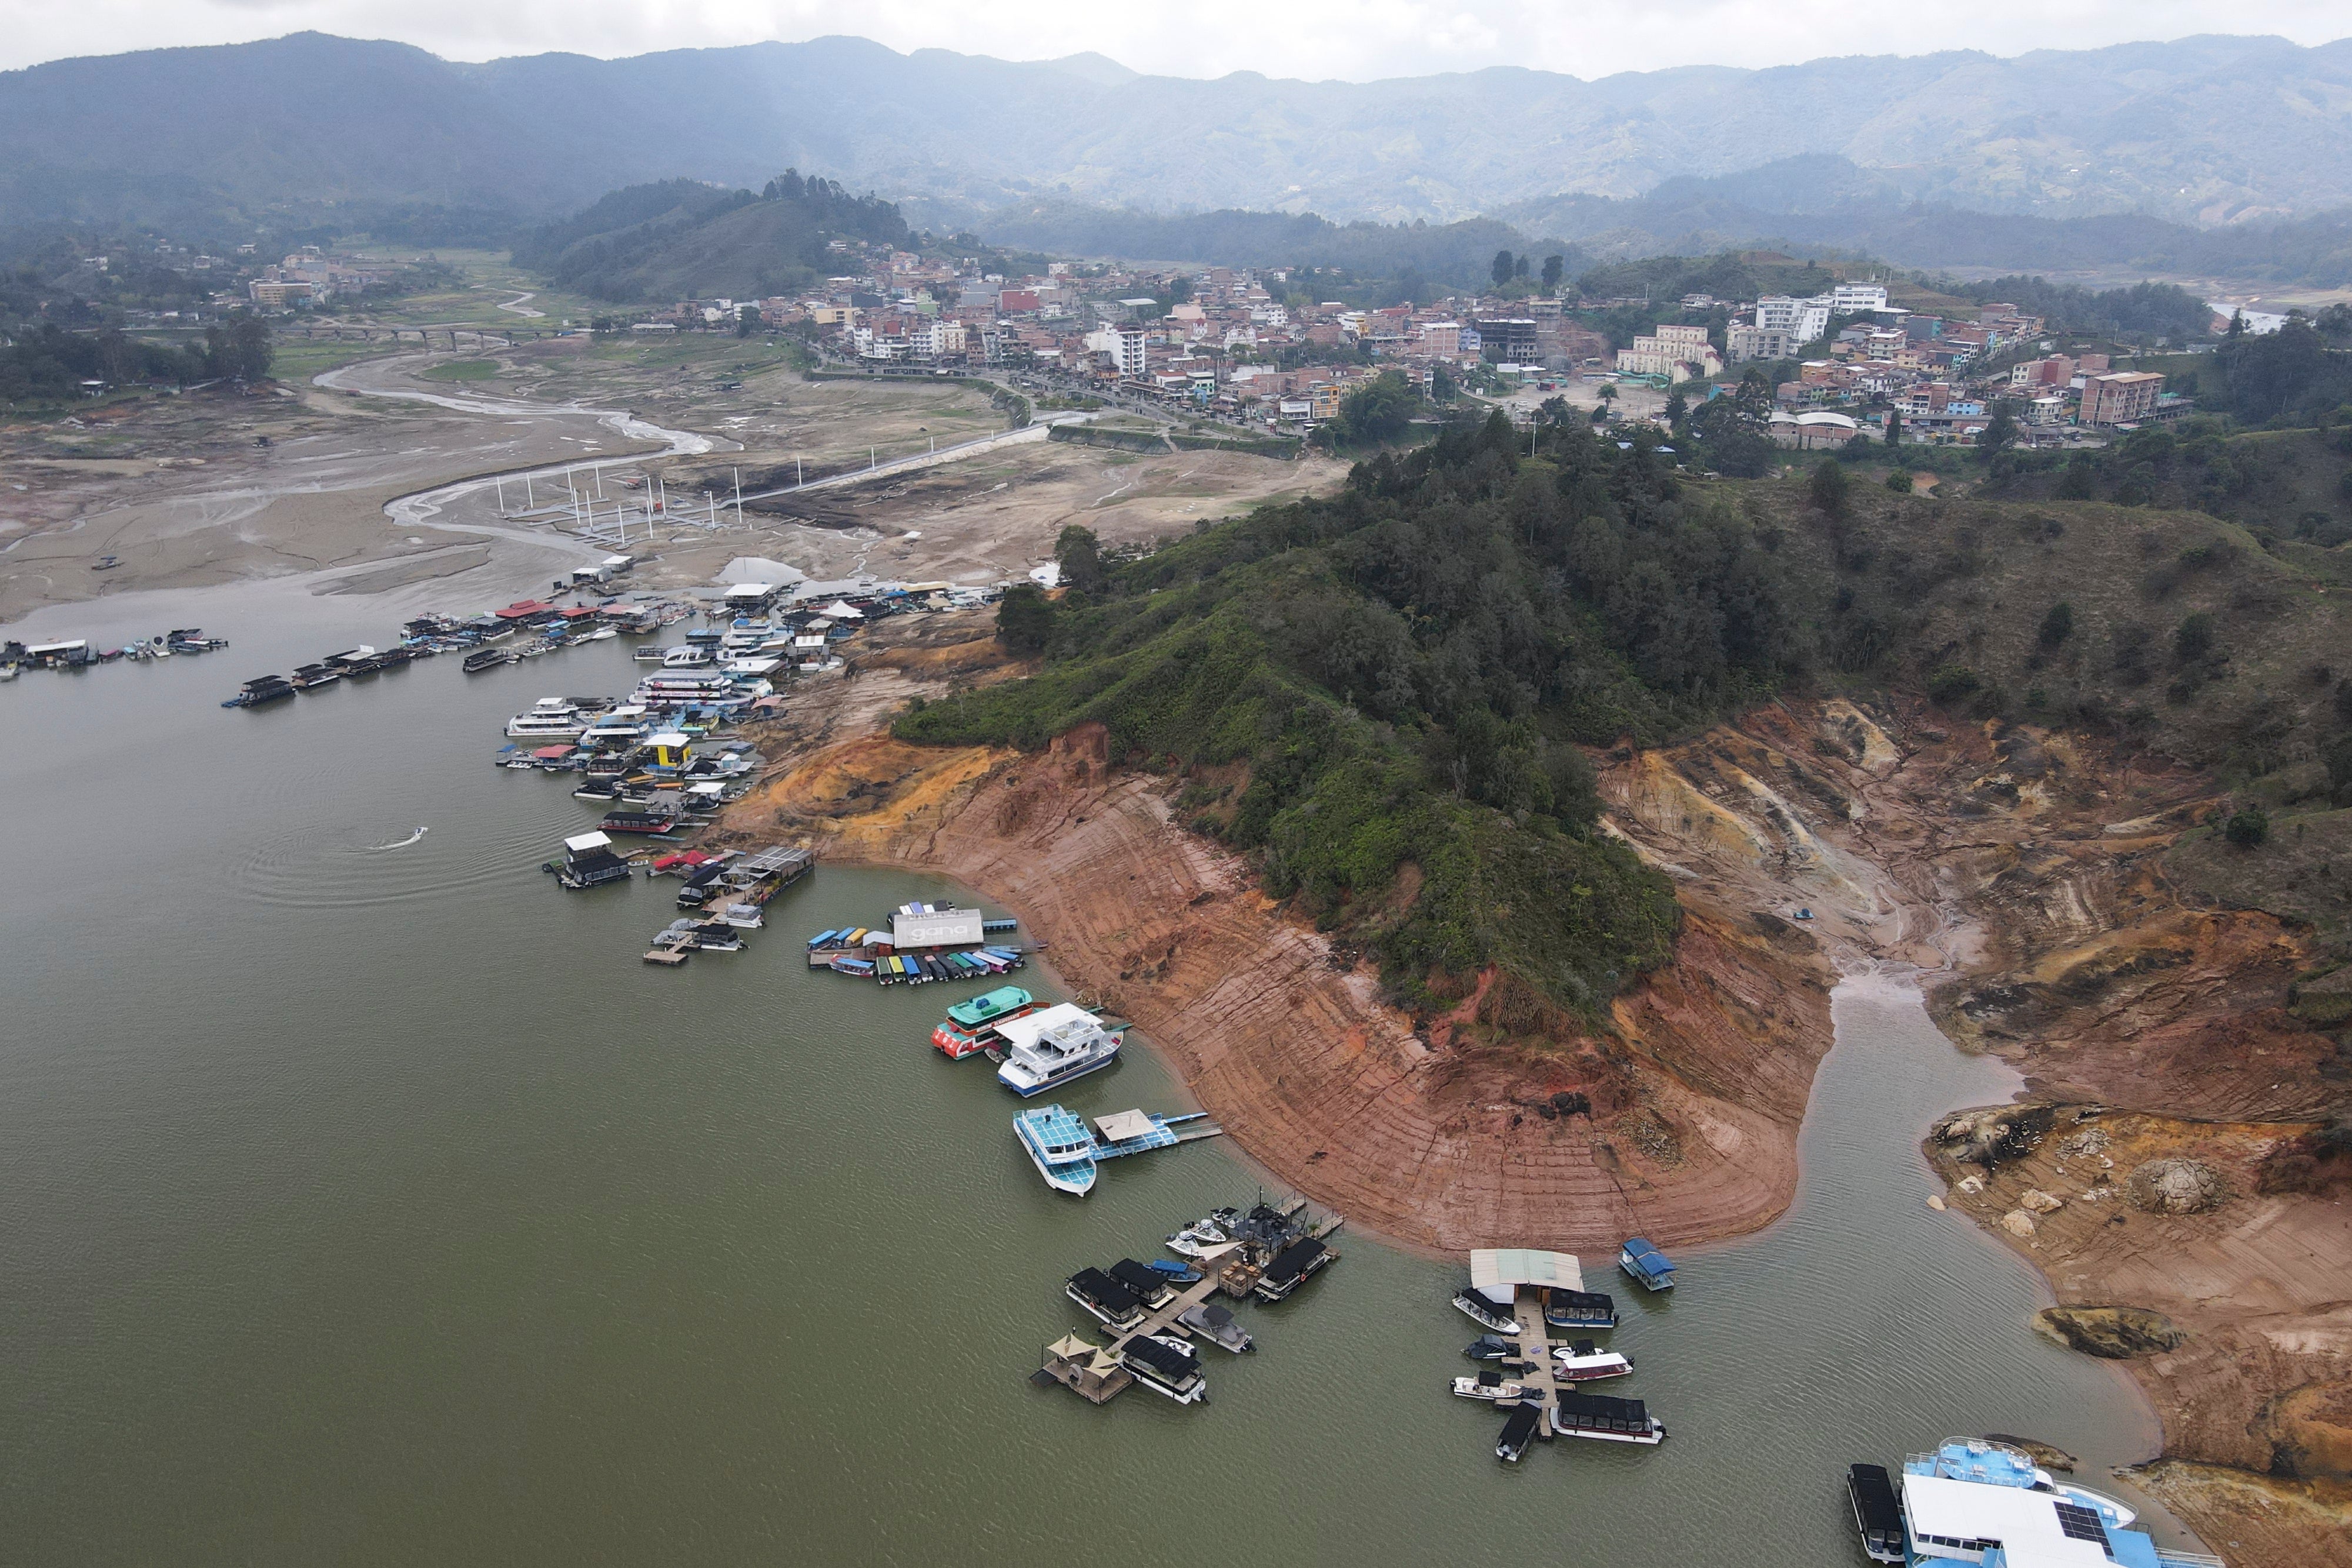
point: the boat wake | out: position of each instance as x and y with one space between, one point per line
401 845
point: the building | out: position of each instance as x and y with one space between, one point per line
1744 341
2122 397
1807 319
1510 338
280 293
1671 353
915 927
1131 355
1854 298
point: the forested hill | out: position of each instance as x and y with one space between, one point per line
681 239
1402 672
2201 130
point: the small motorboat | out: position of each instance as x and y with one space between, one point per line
106 563
1204 1234
1483 1312
1491 1386
1178 1273
1214 1323
1517 1433
1491 1347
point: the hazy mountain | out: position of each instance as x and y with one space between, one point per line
2205 129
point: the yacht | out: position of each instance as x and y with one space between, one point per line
1567 1309
1216 1323
687 657
1052 1047
310 676
482 659
1978 1500
550 718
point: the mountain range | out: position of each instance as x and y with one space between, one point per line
2204 130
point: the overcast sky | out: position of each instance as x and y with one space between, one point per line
1353 39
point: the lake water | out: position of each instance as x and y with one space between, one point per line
381 1207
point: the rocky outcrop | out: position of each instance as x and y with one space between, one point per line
2112 1333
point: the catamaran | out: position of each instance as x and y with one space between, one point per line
1053 1047
1060 1148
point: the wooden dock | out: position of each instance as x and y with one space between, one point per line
668 957
1533 1342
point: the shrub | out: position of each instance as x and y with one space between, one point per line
2056 626
2193 638
2247 827
1951 683
1899 481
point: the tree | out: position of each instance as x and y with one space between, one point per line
1024 620
1999 432
1828 486
2247 827
1893 427
1519 267
1677 410
1503 268
1080 555
746 317
1442 384
1552 268
2056 626
1900 482
2193 638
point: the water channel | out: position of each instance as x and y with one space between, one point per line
379 1205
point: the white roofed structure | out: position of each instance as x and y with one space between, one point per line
1494 1268
587 842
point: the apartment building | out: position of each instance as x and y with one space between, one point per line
1671 353
2122 397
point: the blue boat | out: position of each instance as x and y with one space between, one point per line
822 939
1067 1154
1975 1498
1060 1148
1646 1266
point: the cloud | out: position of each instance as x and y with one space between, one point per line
1354 40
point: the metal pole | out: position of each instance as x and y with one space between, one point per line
600 481
800 474
502 496
527 503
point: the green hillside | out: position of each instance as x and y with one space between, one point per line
1398 676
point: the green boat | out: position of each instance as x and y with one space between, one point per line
984 1010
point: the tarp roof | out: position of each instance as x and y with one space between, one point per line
1121 1125
841 610
1070 1347
1498 1268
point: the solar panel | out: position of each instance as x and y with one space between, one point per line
2080 1523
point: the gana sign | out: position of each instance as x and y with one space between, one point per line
940 928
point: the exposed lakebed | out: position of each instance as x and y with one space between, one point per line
381 1205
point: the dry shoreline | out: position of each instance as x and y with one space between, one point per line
1981 859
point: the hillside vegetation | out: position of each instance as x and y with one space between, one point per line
681 239
1381 694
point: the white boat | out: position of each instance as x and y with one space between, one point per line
648 654
1061 1148
743 916
1167 1365
1489 1386
1054 1046
600 634
550 718
1480 1309
686 657
1582 1363
1203 1236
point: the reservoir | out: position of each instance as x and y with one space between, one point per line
379 1205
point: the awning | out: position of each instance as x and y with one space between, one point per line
1503 1268
1070 1347
1121 1125
587 842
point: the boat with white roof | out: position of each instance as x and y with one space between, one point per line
1979 1500
1055 1046
550 718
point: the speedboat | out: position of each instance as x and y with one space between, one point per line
1201 1234
1494 1347
1061 1148
1049 1049
1489 1386
1582 1362
1475 1306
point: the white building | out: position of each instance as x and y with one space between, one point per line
1806 319
1674 353
1130 353
1854 298
1743 342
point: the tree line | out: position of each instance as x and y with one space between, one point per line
49 362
